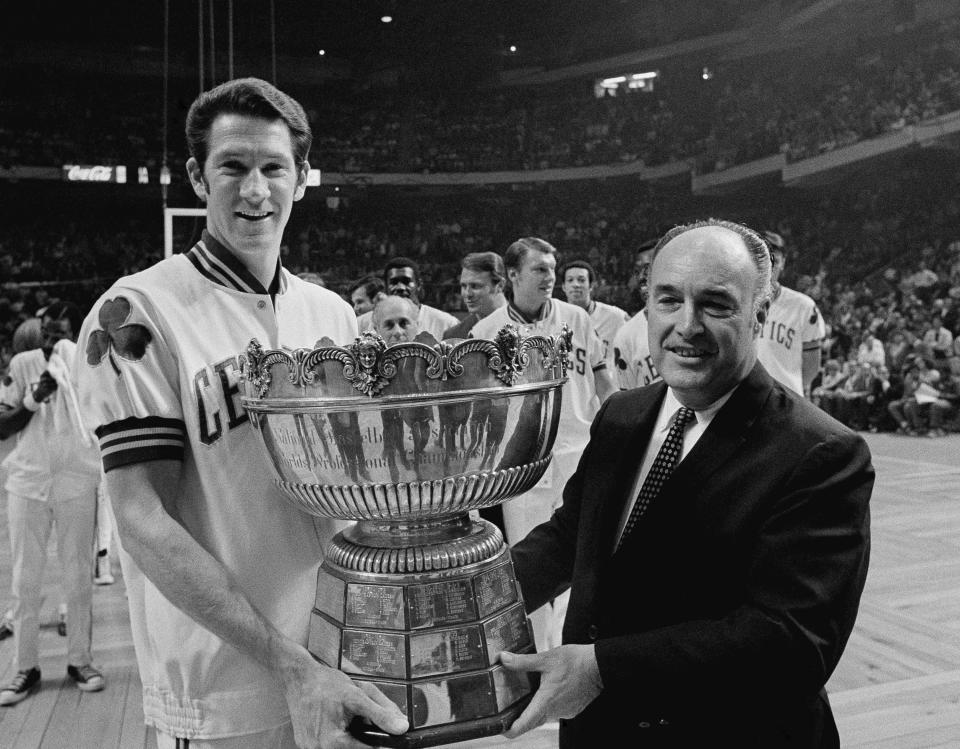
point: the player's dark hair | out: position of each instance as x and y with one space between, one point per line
65 311
371 286
485 262
252 97
402 262
578 264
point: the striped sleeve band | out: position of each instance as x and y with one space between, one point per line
136 440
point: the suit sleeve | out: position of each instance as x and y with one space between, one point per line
805 576
543 560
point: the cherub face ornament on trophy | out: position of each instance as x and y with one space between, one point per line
417 597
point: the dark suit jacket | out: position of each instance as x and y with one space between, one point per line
722 616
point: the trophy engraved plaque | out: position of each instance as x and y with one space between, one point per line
418 596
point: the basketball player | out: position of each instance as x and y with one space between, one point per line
531 264
631 350
221 570
579 281
789 346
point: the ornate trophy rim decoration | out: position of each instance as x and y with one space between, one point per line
419 595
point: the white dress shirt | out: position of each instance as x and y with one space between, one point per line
693 432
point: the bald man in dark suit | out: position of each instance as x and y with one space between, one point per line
710 599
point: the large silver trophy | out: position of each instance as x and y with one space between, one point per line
419 595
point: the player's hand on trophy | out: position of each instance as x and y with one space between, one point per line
324 701
45 387
569 681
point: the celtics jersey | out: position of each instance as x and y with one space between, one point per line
631 350
158 370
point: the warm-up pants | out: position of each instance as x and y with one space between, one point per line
72 507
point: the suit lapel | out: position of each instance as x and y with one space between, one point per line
725 435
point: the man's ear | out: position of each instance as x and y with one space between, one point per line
197 181
762 311
302 181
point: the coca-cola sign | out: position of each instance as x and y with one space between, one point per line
79 173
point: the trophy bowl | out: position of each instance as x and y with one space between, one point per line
419 595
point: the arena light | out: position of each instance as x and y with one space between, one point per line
322 52
513 48
632 82
386 19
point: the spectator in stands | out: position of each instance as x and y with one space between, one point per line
482 281
828 393
920 377
938 341
871 351
857 395
897 350
922 283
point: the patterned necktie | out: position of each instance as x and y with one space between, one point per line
660 471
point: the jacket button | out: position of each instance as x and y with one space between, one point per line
261 304
593 632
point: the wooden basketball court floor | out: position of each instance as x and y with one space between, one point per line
897 686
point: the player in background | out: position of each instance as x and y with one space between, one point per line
482 281
366 293
52 476
631 350
789 345
579 282
531 269
401 276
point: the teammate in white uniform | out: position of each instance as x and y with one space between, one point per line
402 277
631 348
789 344
531 264
482 282
52 477
363 296
631 351
224 568
578 284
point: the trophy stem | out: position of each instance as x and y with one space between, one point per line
415 545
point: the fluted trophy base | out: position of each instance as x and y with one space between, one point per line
421 610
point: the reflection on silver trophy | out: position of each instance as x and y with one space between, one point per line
418 596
